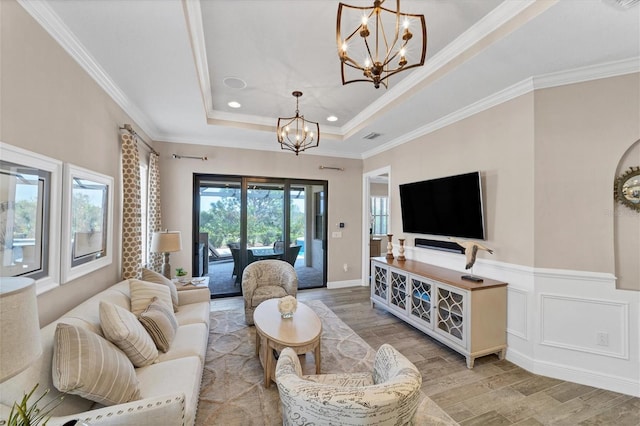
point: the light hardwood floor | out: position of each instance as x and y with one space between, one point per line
494 392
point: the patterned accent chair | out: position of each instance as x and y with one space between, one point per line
389 395
266 279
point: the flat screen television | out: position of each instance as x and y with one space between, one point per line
449 206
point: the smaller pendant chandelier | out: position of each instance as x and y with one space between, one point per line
384 50
297 134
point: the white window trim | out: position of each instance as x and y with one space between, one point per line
21 156
69 273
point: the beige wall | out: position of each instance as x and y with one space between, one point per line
627 230
537 154
379 190
344 188
497 142
50 106
582 132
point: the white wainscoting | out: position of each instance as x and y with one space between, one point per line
518 313
575 323
554 318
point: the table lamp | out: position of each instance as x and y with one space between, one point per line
166 242
19 326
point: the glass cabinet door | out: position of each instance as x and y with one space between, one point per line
398 285
421 296
380 281
450 314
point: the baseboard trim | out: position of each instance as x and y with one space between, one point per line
345 284
575 375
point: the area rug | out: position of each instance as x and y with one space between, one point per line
233 391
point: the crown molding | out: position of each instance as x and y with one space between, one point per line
51 22
320 151
563 78
511 92
588 73
193 17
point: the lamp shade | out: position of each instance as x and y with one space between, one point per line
166 242
19 326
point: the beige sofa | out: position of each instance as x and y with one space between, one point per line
169 388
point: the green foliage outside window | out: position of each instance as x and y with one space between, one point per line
265 224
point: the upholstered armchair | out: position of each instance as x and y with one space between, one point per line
387 396
266 279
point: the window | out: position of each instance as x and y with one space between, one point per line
379 215
87 226
30 187
24 214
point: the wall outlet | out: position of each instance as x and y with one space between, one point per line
336 234
345 267
602 338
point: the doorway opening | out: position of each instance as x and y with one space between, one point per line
238 220
376 220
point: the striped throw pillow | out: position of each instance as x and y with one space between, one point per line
161 324
88 365
154 277
123 329
142 292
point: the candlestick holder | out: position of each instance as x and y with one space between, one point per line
401 250
389 247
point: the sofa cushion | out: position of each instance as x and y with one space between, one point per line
121 327
154 277
195 313
266 292
142 292
160 322
190 340
171 377
88 365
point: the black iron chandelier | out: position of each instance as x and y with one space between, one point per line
385 48
297 134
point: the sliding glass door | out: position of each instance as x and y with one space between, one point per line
239 220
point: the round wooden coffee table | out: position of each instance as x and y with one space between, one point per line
301 333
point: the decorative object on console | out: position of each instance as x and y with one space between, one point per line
20 326
626 188
389 45
294 133
471 250
166 242
389 247
401 250
287 306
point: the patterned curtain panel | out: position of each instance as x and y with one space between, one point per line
154 215
131 217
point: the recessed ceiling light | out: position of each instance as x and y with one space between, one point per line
234 104
234 82
332 118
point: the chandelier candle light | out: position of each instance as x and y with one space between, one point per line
385 48
297 134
